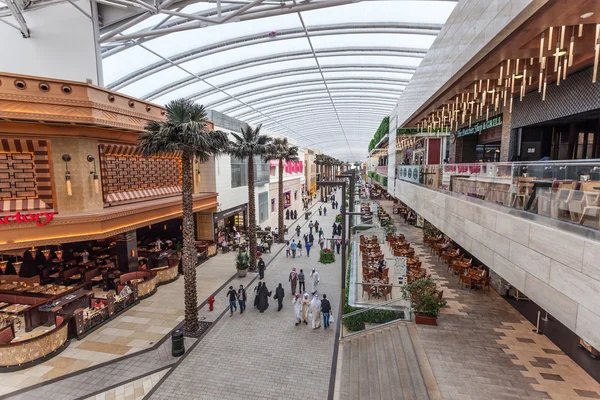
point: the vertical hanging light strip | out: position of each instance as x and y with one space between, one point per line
597 50
580 34
545 85
531 61
497 102
487 113
572 47
516 68
565 62
504 98
562 36
500 77
508 68
559 75
511 103
542 45
475 90
550 38
556 57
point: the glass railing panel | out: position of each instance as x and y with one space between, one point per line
362 319
563 190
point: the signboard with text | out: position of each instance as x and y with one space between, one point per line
479 127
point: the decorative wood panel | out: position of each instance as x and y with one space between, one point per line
128 175
25 182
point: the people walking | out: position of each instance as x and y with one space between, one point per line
311 226
308 246
338 245
256 293
321 233
315 310
263 298
316 226
320 210
326 310
305 237
297 301
242 298
232 294
294 247
261 268
325 211
311 238
299 248
279 294
298 229
293 279
305 308
315 280
321 242
301 281
288 249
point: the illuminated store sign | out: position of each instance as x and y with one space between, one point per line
40 219
480 126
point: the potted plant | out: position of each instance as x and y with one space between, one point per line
426 300
390 230
326 256
242 263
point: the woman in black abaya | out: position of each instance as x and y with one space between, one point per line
263 298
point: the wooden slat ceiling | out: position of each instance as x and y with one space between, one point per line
524 44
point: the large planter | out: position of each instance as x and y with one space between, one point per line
242 273
425 320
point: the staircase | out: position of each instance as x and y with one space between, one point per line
382 364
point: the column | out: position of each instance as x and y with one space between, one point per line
127 252
508 141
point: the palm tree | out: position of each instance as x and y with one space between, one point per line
282 151
185 131
247 145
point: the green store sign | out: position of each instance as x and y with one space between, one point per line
479 127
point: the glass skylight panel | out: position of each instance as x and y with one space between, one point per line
279 81
361 73
148 23
367 59
126 62
372 40
360 85
263 70
382 11
185 41
155 81
195 87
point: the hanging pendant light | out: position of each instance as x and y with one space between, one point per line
572 47
3 263
46 253
542 46
59 253
550 38
17 265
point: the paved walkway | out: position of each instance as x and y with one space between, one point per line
483 348
121 350
263 356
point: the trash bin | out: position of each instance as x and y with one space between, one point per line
178 345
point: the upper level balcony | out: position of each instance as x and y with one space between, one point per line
382 170
568 191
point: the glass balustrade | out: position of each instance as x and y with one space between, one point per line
563 190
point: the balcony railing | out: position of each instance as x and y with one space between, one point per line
562 190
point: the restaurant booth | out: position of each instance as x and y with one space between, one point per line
89 226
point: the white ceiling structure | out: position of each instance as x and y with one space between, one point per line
322 72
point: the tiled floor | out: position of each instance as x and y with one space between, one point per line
135 390
483 348
263 356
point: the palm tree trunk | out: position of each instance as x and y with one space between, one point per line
251 214
280 209
189 246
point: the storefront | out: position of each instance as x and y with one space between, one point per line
480 142
224 222
572 138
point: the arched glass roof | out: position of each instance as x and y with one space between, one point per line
323 72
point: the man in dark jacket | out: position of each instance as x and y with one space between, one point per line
326 311
279 294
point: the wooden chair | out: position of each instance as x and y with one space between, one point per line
386 291
367 287
466 281
523 191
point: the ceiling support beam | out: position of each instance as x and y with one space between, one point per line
18 16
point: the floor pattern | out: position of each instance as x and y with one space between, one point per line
485 349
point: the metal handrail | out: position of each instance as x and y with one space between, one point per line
371 308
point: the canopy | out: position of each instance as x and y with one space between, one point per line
324 77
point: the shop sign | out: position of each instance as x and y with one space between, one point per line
40 219
408 173
480 126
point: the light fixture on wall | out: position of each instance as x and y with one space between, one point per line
17 265
46 253
94 174
66 158
3 263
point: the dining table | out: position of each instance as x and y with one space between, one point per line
15 308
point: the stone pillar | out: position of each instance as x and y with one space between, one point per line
127 252
453 156
507 142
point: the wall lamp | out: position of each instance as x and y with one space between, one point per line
94 174
66 158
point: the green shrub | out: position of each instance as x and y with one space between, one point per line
338 219
326 256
